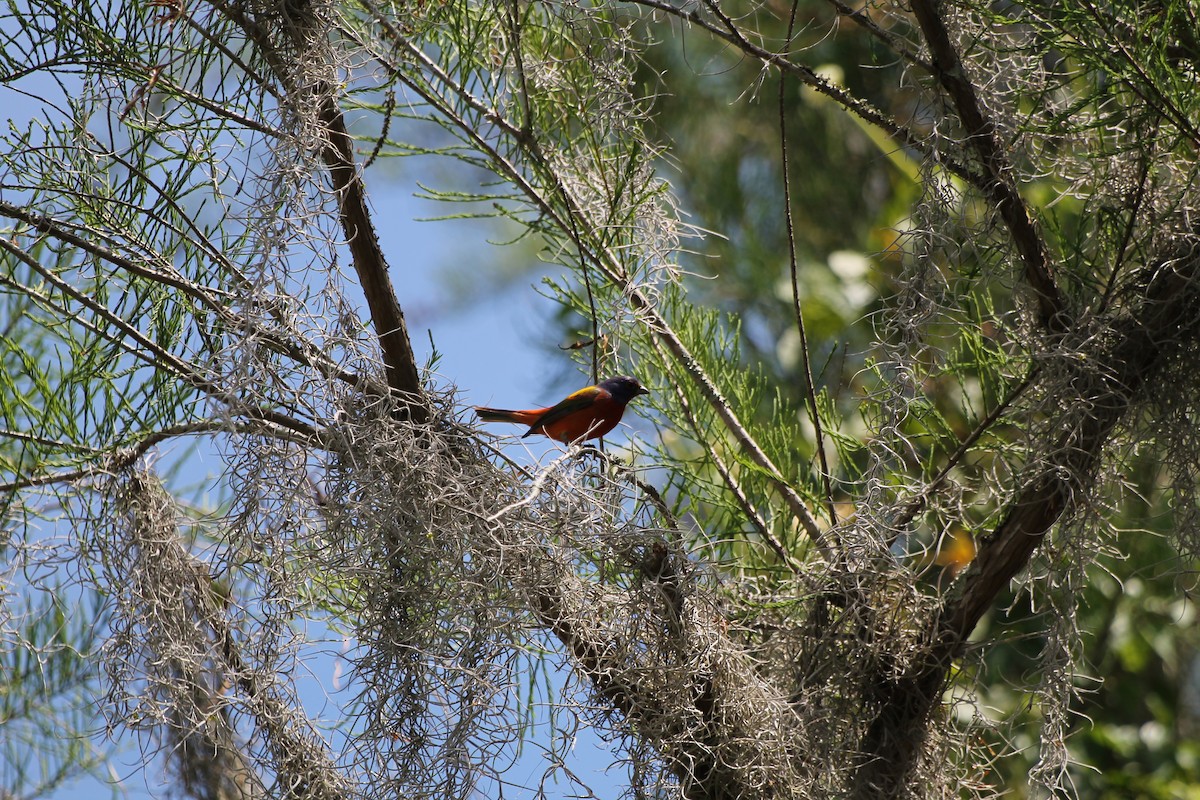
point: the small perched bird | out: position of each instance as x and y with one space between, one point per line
586 414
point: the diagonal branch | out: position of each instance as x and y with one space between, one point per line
161 271
400 363
1105 386
111 327
186 596
998 185
354 215
695 722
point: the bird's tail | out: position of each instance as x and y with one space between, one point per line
504 415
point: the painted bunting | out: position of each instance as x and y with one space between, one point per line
586 414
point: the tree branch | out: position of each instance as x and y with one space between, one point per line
400 363
810 388
354 215
1105 385
215 300
139 345
698 722
998 184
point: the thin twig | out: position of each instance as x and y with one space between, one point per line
627 473
126 456
862 18
1149 88
809 387
735 487
855 105
914 505
1130 225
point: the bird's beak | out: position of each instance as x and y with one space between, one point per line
641 390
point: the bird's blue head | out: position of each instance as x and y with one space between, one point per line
623 388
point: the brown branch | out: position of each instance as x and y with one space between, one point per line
550 608
1106 384
400 363
694 729
354 214
998 185
556 606
301 755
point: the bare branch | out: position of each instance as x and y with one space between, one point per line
126 456
810 389
370 264
400 361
